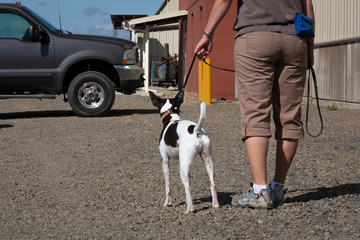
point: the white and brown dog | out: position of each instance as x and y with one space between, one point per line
183 139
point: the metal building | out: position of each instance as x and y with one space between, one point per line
337 51
222 82
177 27
165 39
336 19
160 37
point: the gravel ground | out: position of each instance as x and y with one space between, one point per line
65 177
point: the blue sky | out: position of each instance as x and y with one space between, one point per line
89 16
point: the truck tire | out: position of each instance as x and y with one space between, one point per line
91 94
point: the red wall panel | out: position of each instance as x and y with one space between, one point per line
223 83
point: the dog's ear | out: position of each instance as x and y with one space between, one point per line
156 101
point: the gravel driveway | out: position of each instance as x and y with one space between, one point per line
65 177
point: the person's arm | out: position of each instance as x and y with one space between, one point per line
309 11
218 11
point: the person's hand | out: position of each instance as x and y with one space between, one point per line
204 47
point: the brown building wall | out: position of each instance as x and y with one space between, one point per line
222 82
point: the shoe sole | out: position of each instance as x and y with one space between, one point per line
255 205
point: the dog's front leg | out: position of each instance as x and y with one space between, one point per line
166 171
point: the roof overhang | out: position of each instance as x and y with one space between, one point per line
157 20
120 21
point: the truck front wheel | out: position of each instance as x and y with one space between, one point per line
91 94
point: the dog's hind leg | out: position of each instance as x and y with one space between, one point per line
185 162
166 171
206 157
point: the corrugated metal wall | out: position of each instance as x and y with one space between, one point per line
165 43
337 51
336 19
338 72
170 6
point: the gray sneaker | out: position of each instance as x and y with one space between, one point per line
277 195
258 201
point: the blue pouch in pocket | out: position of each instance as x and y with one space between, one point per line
303 26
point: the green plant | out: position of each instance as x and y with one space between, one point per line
333 107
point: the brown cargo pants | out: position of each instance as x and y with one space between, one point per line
270 72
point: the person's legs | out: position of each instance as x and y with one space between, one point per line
287 96
255 70
285 153
258 195
286 100
256 150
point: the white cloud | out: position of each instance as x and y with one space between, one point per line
106 30
103 30
90 11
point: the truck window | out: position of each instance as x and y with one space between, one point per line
14 26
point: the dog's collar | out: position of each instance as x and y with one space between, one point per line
165 114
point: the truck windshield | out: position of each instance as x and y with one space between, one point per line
46 23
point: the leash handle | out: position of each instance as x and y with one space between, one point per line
312 73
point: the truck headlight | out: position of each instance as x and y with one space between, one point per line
129 56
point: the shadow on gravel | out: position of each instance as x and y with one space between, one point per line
326 192
69 113
126 112
37 114
224 198
6 126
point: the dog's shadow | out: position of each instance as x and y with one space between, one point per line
224 198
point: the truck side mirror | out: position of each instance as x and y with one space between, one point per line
38 34
34 33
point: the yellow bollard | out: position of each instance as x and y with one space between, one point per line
205 82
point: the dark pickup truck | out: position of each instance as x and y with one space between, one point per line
37 60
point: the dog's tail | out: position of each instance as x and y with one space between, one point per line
202 117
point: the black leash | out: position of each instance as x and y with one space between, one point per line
180 96
224 69
312 73
188 74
